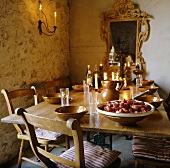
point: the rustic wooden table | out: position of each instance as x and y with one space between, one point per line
155 125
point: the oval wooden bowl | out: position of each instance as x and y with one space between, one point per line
78 88
155 101
152 89
147 82
52 98
66 112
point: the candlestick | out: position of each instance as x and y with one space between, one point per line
96 81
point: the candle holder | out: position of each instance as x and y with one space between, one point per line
47 32
50 33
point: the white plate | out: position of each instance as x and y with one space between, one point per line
125 114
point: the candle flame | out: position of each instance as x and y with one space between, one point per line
40 6
55 14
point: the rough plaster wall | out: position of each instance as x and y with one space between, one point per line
29 58
87 48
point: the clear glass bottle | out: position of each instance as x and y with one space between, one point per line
89 76
96 78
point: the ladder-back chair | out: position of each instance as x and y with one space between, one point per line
55 85
82 154
46 138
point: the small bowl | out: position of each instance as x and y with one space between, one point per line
137 71
66 112
147 82
52 98
152 89
155 101
78 88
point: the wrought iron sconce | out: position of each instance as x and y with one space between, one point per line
40 23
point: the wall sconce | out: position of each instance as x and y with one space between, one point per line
40 23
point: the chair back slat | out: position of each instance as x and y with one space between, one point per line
50 125
55 85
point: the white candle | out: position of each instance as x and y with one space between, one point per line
96 81
125 82
40 10
113 76
55 17
105 76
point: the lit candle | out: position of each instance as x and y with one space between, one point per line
105 76
96 81
40 9
113 76
55 17
125 82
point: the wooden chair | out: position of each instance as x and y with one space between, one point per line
47 139
54 85
82 154
151 151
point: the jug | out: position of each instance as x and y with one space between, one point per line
110 90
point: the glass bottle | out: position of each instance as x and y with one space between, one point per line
89 76
96 78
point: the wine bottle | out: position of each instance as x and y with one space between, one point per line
96 78
89 76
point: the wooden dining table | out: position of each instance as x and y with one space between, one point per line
155 125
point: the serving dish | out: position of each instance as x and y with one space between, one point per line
152 89
66 112
155 101
147 82
53 98
124 118
78 87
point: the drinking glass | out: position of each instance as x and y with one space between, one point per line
93 101
64 94
85 87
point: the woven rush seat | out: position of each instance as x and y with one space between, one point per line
153 149
95 156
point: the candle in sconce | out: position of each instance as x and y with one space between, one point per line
105 76
55 17
113 76
96 82
40 10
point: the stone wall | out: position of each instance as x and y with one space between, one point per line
28 58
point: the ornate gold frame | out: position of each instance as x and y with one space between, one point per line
125 10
